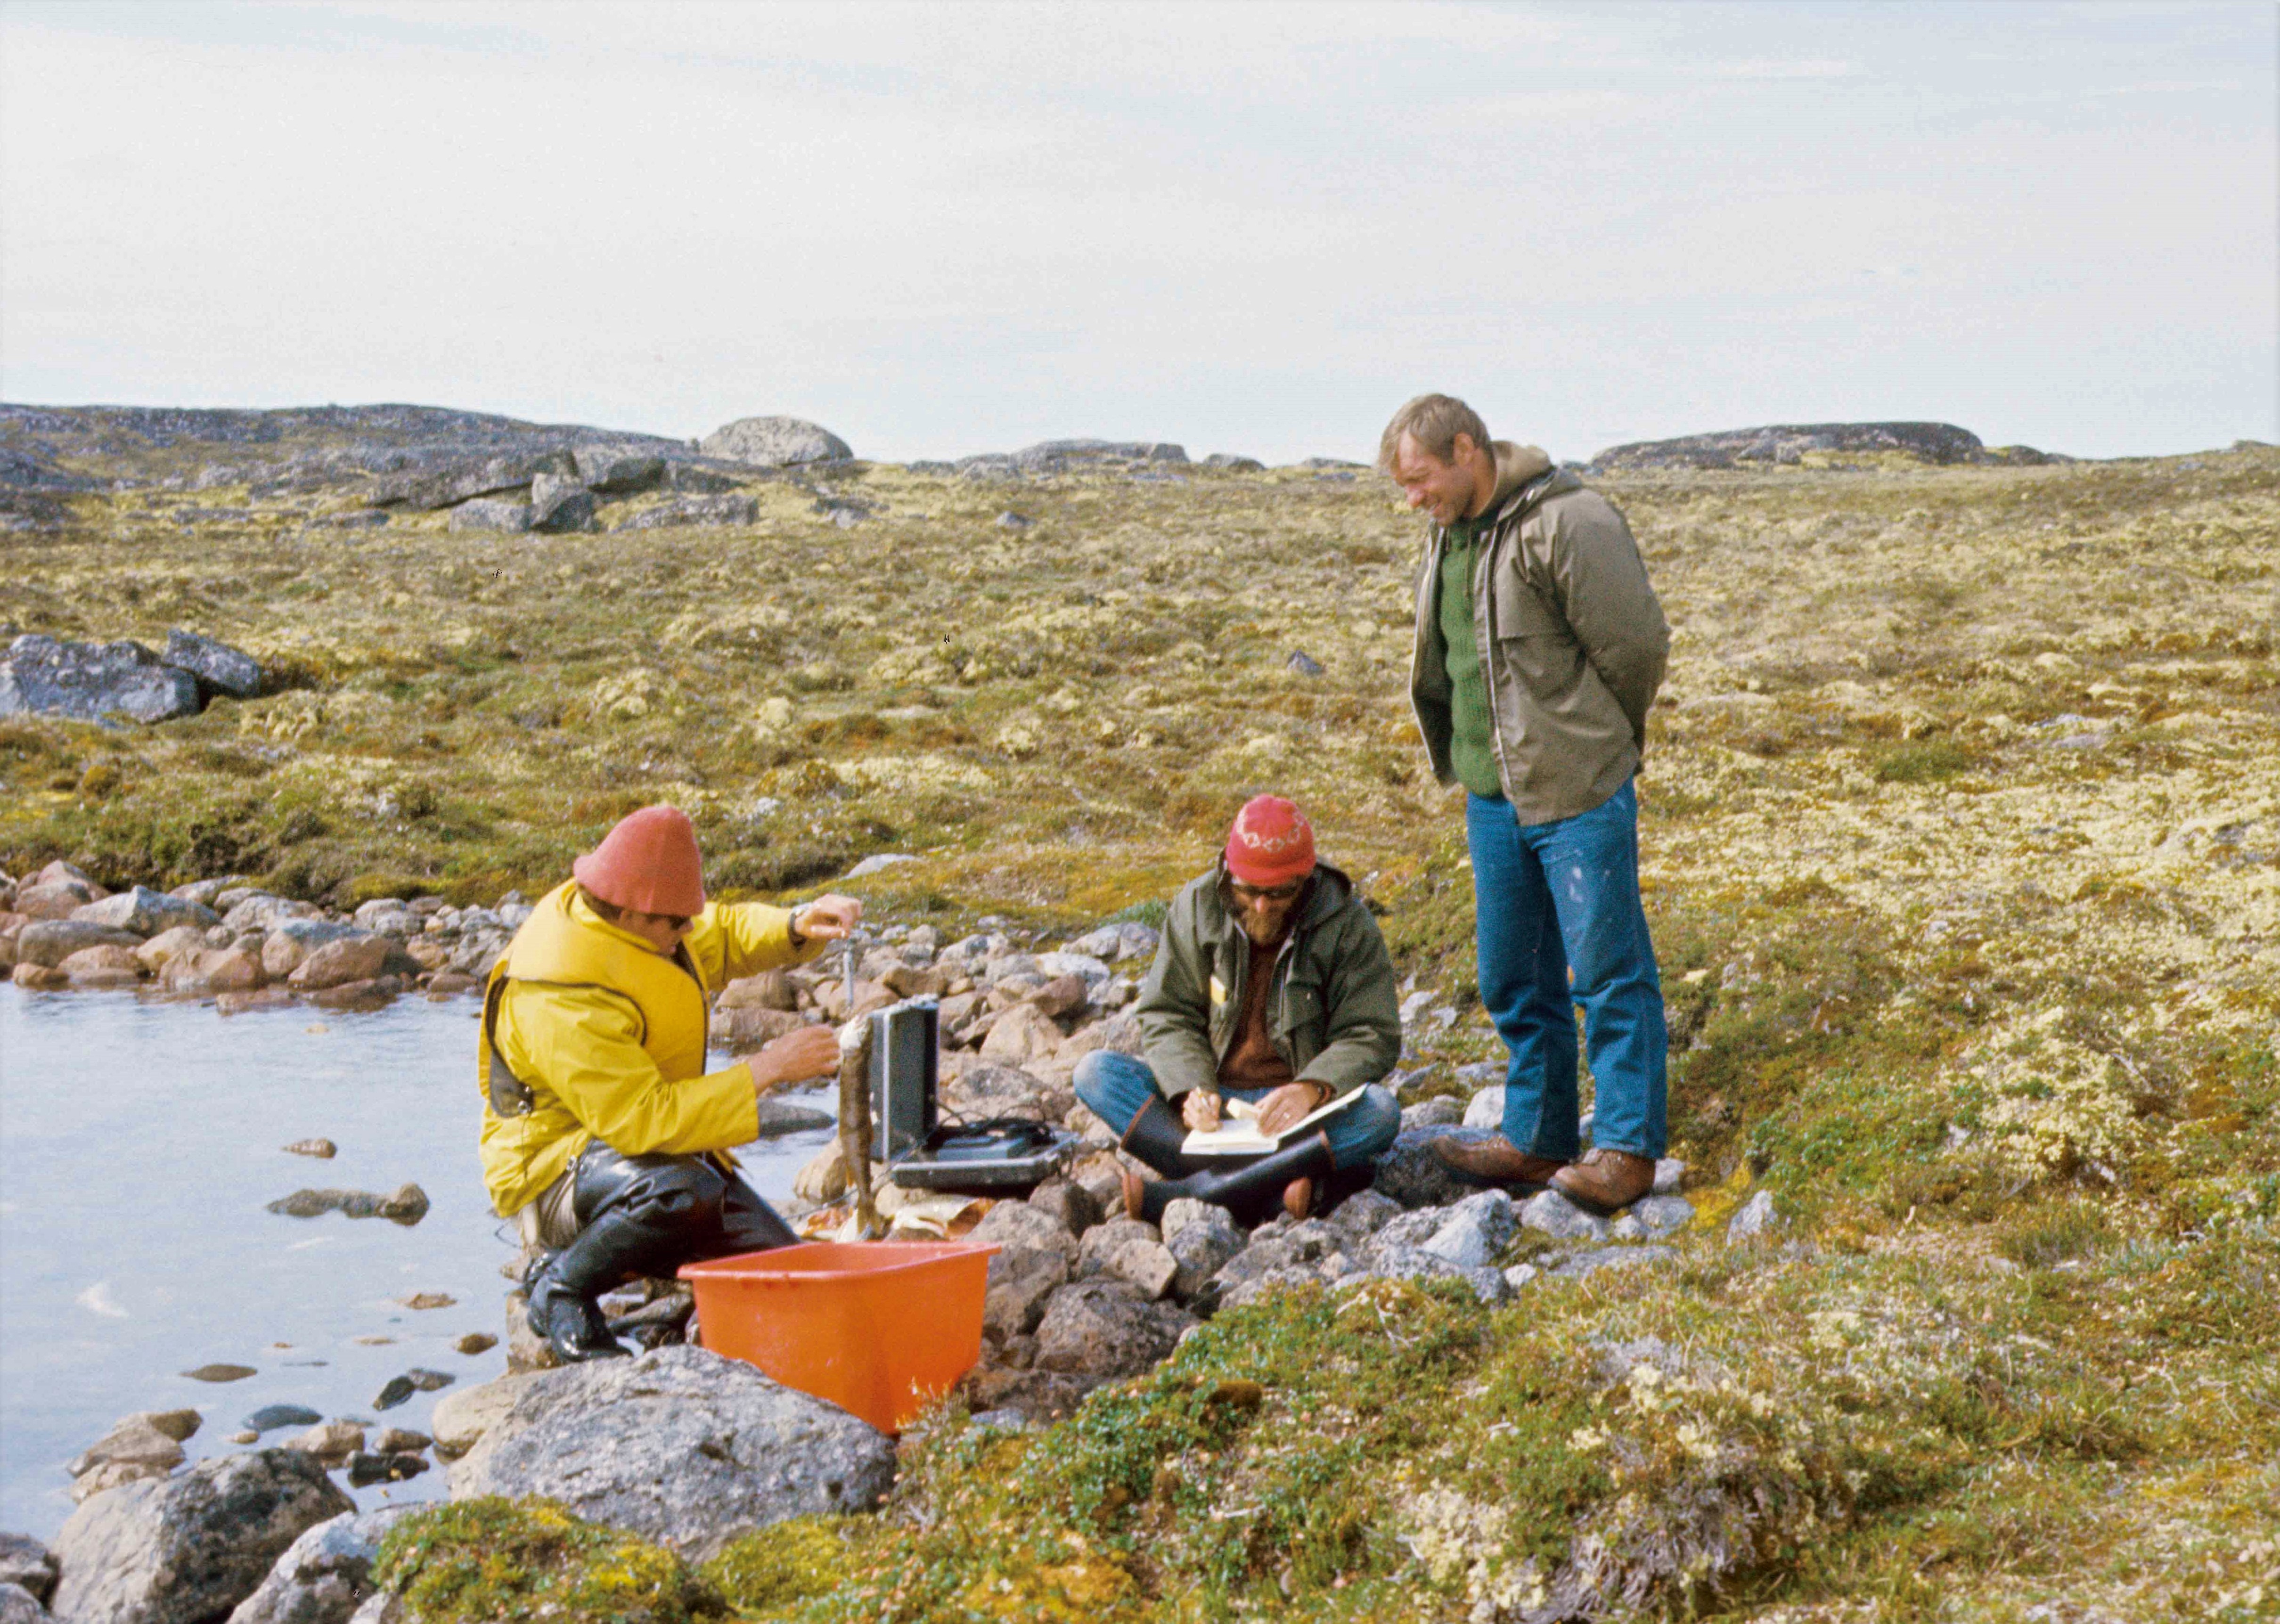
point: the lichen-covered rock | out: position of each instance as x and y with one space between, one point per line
462 1416
324 1575
1125 1248
188 1549
490 514
1105 1327
775 443
217 666
1202 1239
678 1444
1476 1231
82 679
1561 1219
1410 1173
1069 1203
559 505
1021 1279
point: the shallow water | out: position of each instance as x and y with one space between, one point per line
139 1144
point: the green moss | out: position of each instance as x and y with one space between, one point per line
1925 763
768 1571
492 1559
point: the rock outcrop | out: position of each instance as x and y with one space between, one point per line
1791 442
89 681
679 1444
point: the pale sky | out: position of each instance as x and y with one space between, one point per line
941 230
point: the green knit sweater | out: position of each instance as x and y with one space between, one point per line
1471 743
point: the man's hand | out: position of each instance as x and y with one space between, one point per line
1287 1104
830 917
1200 1112
811 1052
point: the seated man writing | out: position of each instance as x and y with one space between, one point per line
604 1136
1271 985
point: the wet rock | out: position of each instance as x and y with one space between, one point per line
48 943
145 912
1069 1203
1756 1217
339 963
779 1116
1107 1329
1202 1240
1125 1248
324 1150
89 681
102 967
26 1562
221 1373
269 1418
775 443
679 1444
258 998
460 1418
407 1206
39 978
330 1441
475 1342
400 1441
1561 1219
190 1548
324 1575
368 1468
421 1301
1479 1228
1410 1173
400 1389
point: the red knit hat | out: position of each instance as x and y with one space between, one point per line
649 863
1271 844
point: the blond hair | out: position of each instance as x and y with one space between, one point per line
1434 421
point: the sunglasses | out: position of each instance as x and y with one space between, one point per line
1253 893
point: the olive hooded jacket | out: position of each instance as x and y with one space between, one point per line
606 1039
1569 634
1334 1016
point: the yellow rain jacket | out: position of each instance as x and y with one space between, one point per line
603 1036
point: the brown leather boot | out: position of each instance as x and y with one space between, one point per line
1299 1199
1605 1181
1497 1161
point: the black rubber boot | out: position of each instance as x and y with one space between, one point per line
1251 1190
1155 1136
564 1305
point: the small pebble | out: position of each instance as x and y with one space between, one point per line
323 1149
476 1342
270 1417
375 1341
400 1441
429 1299
245 1437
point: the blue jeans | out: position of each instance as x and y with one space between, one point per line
1558 918
1117 1086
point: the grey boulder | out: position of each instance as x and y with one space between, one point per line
19 1605
50 942
490 514
618 472
775 443
1203 1239
1105 1328
324 1575
1480 1229
1410 1173
559 505
216 666
26 1563
679 1444
145 912
185 1550
89 681
696 510
1561 1219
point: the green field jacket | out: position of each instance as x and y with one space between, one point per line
1570 634
1335 1016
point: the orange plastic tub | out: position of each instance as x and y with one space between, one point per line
881 1328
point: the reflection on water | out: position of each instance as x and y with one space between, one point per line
139 1143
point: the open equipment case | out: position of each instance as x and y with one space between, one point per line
922 1151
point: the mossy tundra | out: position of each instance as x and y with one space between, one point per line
1961 828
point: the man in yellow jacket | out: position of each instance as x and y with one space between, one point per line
604 1136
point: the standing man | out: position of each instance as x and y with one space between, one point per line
1540 645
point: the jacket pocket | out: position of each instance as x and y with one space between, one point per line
1520 613
1302 1024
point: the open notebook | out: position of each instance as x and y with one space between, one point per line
1238 1134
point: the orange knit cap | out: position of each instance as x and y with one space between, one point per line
1271 844
649 863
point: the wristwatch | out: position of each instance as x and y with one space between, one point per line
792 925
